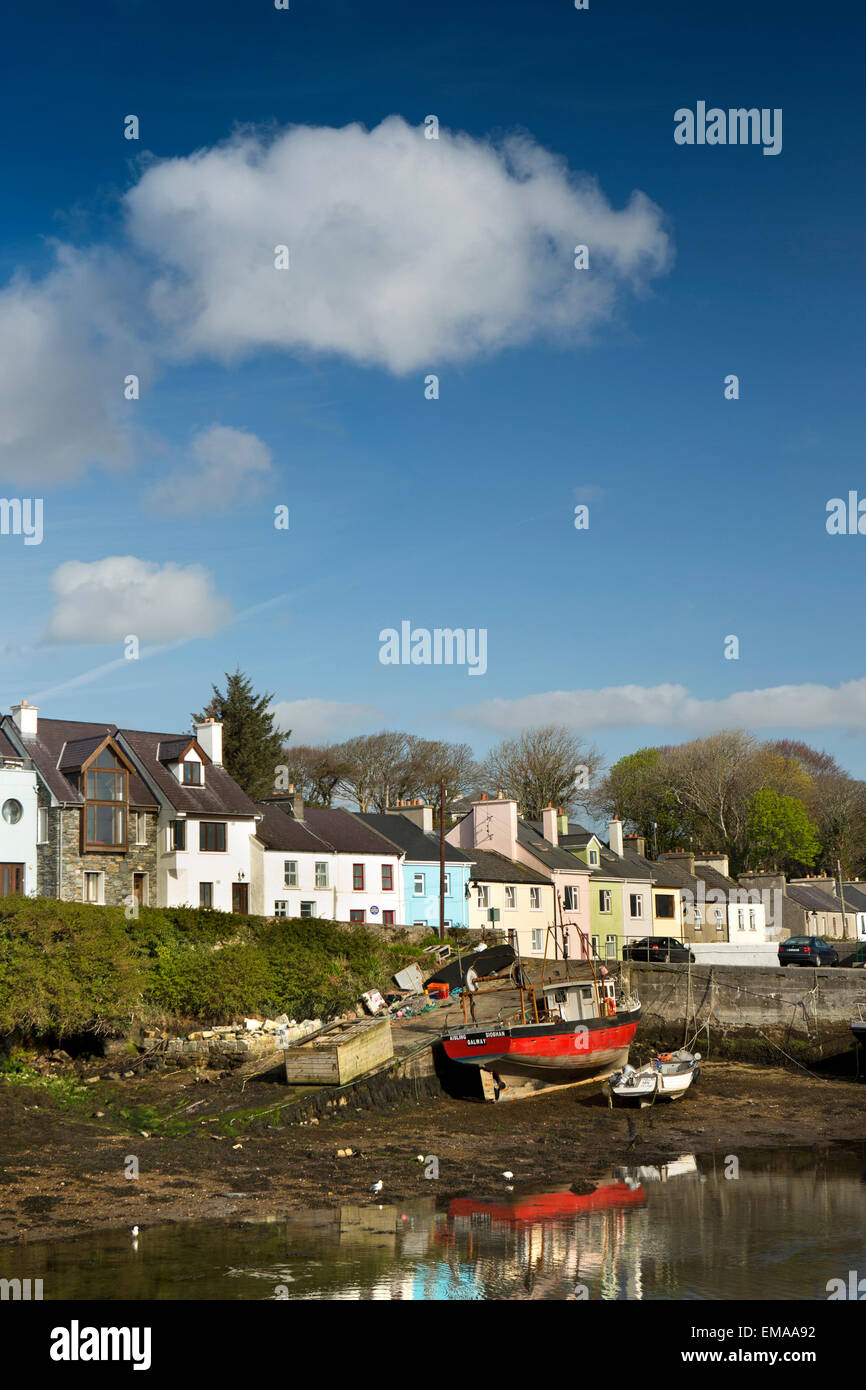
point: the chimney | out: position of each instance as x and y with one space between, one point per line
210 736
681 856
26 717
548 820
615 836
298 806
416 812
637 843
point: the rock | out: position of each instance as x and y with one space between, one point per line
252 1025
129 1073
98 1115
194 1037
282 1021
112 1076
89 1080
209 1033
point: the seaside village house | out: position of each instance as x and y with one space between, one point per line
712 907
511 898
493 824
19 814
409 827
621 901
325 862
128 817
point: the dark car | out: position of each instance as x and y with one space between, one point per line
807 950
665 948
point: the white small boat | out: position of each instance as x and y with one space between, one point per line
667 1077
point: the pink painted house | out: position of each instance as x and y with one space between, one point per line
493 824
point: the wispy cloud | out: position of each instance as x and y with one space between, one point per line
807 706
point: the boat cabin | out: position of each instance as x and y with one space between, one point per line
575 1000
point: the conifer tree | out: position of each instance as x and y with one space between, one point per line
251 745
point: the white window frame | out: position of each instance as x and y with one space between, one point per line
632 899
510 898
534 899
538 938
605 904
317 865
88 874
42 825
310 905
290 879
281 907
483 895
416 891
572 899
593 857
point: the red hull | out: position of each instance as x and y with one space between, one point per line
555 1052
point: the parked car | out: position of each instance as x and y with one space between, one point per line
665 948
807 950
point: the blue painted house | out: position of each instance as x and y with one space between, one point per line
410 828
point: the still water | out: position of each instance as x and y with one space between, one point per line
782 1228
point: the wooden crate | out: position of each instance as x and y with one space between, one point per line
341 1054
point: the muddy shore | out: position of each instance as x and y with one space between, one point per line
215 1152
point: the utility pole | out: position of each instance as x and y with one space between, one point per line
442 859
842 897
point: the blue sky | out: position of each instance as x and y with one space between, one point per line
707 516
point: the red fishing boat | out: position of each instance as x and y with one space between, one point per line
567 1030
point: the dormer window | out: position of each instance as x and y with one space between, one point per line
105 785
192 774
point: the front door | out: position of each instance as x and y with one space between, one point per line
240 897
139 889
11 879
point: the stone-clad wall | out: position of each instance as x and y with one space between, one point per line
117 869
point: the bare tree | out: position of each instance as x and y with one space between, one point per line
548 765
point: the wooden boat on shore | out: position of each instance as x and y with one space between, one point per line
567 1030
666 1077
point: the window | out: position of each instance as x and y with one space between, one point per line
104 784
699 919
610 947
177 834
42 825
387 878
483 895
138 827
752 921
192 774
572 899
388 917
308 909
720 921
357 914
665 905
321 873
418 890
594 946
741 919
357 878
604 900
212 836
290 873
593 856
93 888
281 908
510 898
535 900
205 895
448 885
12 811
635 904
537 939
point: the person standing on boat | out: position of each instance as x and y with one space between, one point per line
470 984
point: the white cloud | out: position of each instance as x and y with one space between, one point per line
324 721
405 252
224 466
61 375
805 706
107 600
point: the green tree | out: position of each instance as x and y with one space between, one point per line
779 832
251 745
638 788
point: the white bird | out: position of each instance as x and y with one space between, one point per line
508 1175
377 1186
134 1232
419 1158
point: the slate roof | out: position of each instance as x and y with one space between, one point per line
855 896
346 832
815 899
8 749
220 795
52 758
550 855
409 837
278 831
489 866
